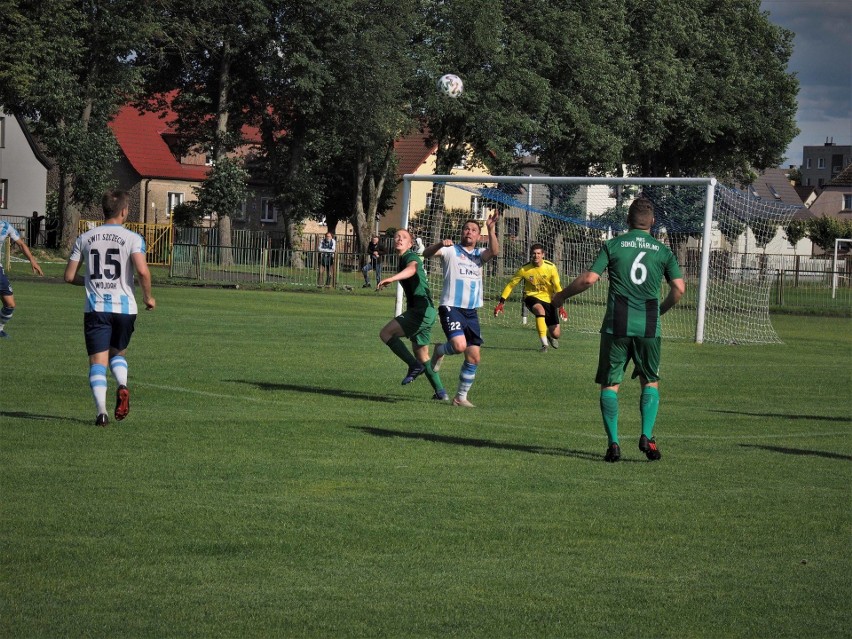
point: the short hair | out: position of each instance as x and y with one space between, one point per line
472 221
640 215
536 246
114 202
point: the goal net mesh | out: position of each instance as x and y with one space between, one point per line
572 221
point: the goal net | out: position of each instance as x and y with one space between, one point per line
719 235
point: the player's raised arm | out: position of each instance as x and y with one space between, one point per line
432 249
493 249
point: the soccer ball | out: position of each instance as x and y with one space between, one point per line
451 85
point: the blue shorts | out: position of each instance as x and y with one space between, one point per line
5 285
461 321
107 330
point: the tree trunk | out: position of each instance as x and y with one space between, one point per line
226 254
69 213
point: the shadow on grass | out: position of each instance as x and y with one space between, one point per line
483 443
818 418
318 390
798 451
42 418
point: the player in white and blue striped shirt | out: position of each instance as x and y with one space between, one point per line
111 254
460 297
7 296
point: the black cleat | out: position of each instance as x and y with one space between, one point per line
613 453
102 420
122 402
413 373
649 447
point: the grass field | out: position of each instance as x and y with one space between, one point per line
274 479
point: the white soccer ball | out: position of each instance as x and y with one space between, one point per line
451 85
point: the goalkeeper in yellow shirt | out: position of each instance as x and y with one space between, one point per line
541 283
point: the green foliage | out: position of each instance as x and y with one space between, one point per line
187 214
824 230
795 231
224 189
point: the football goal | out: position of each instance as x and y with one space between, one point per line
718 234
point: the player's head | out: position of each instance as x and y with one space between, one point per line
114 202
640 215
537 254
402 241
328 235
375 239
471 231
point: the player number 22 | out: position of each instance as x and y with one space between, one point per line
638 272
111 268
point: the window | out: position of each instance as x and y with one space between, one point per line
2 132
429 201
774 192
809 163
513 226
268 211
240 211
847 201
4 192
807 181
820 182
821 163
477 208
172 201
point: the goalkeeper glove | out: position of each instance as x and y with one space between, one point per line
498 309
563 313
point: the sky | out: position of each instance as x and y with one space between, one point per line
822 61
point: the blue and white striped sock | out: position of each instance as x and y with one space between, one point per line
118 366
466 376
5 315
98 382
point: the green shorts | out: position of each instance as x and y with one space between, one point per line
617 352
417 324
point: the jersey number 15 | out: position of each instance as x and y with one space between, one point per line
111 267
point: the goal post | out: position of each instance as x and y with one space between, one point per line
709 227
835 272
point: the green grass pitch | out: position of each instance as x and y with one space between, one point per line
274 479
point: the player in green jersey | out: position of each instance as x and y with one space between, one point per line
417 320
636 264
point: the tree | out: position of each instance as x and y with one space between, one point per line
824 230
67 67
715 96
204 65
795 231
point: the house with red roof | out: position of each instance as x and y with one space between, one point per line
417 155
158 177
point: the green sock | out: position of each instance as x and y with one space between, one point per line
401 351
433 377
609 412
649 403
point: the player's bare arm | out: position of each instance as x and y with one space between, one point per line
71 274
33 262
582 282
677 288
404 274
143 275
493 249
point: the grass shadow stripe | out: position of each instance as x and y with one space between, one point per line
455 440
799 451
817 418
38 417
318 390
